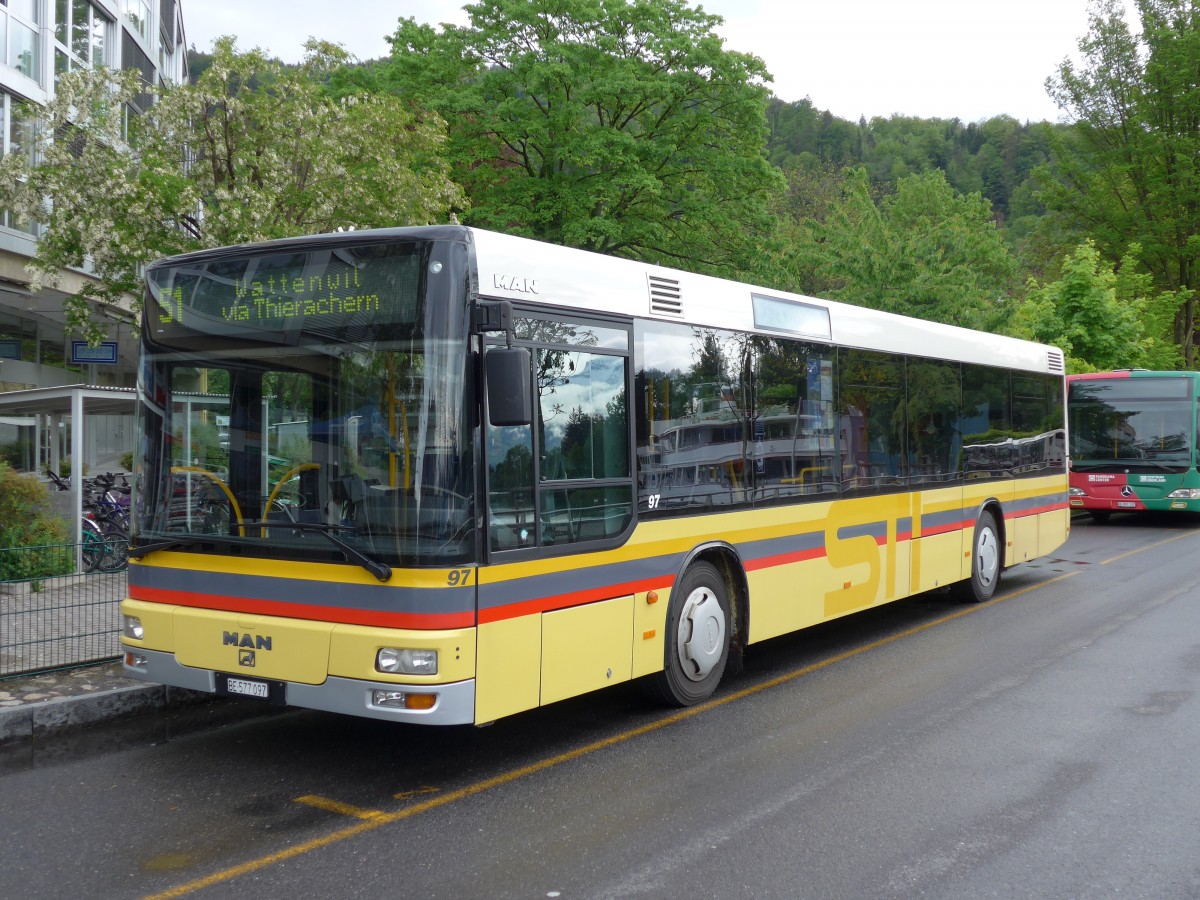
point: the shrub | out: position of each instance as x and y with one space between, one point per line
26 521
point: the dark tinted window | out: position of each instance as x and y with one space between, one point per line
725 419
934 419
793 450
871 425
694 417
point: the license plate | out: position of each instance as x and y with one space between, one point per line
253 688
248 688
1126 504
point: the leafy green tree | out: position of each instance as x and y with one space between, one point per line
254 150
1129 166
1101 318
925 251
619 126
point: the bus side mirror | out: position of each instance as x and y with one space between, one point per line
507 371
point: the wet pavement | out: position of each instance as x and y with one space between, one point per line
35 706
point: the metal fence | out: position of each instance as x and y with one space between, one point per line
54 621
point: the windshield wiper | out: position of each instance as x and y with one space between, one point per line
190 538
142 549
1158 463
382 571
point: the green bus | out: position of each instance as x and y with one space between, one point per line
1133 440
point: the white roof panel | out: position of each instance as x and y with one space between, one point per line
531 271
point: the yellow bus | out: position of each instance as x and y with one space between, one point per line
442 475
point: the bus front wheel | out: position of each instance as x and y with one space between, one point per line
987 559
697 637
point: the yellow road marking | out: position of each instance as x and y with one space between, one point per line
1177 537
335 806
488 784
408 795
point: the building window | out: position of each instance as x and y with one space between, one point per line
18 134
19 36
81 36
137 13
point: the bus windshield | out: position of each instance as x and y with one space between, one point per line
309 404
1131 423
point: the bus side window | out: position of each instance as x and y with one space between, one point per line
510 486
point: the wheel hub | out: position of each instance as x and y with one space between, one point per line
987 556
701 634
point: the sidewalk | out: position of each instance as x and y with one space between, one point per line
39 706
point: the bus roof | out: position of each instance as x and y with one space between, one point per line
535 272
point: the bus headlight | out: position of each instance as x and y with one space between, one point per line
131 627
1077 492
397 661
1185 494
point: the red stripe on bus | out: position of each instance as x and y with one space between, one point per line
783 559
338 615
901 536
944 529
1036 511
575 598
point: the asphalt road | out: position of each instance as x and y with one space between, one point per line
1043 745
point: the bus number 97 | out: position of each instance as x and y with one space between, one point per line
459 577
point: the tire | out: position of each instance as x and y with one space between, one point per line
987 561
116 551
93 551
697 638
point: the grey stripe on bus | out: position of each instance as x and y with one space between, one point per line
376 598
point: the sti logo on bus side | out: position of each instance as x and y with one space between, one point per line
246 641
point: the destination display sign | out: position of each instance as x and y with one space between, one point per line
320 291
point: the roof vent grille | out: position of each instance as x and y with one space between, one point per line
1055 359
666 299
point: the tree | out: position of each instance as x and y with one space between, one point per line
1128 168
925 251
619 126
1101 318
254 150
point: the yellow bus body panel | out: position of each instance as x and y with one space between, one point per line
1053 530
261 646
586 648
509 667
649 627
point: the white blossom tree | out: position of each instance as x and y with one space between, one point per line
254 151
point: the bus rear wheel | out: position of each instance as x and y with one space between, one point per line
987 559
697 637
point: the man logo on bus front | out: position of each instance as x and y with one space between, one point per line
246 658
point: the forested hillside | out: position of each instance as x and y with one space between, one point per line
995 158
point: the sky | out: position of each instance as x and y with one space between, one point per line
964 59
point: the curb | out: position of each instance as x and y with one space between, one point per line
45 718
